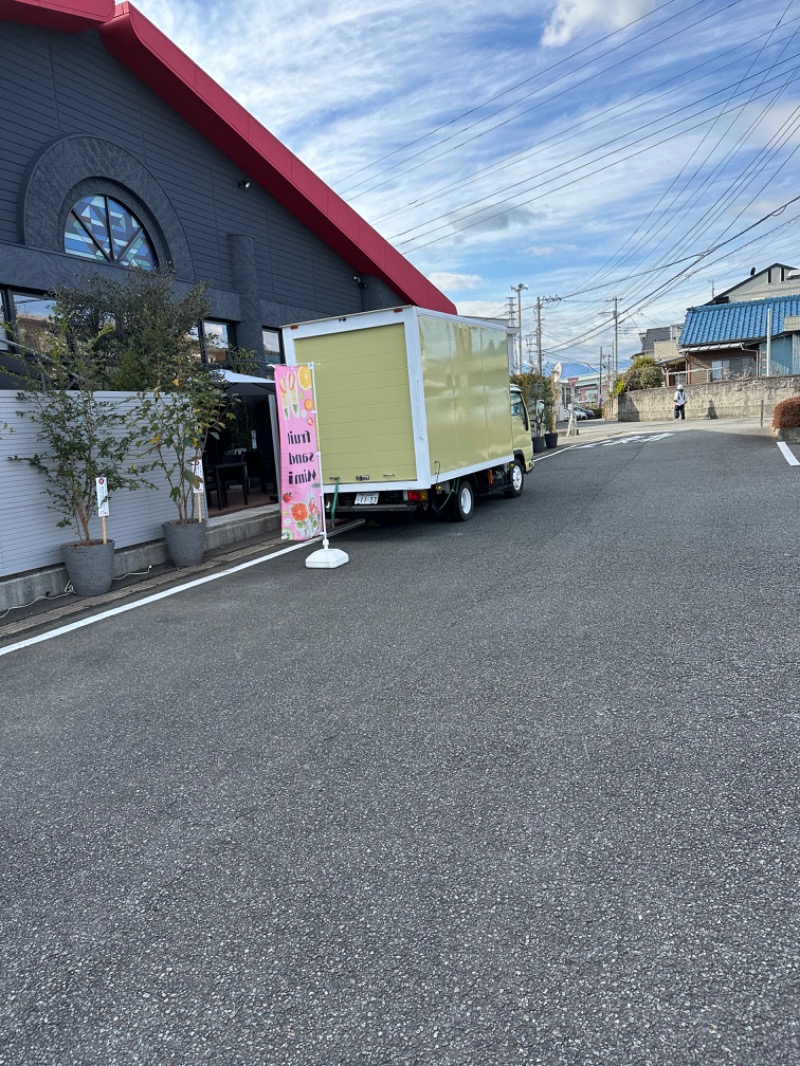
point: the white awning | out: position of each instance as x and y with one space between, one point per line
246 384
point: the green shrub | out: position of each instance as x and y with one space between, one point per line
787 414
643 374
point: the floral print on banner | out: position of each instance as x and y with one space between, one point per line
301 487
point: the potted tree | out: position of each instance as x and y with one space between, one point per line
83 437
148 347
537 392
550 433
173 422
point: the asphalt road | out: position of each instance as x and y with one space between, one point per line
520 790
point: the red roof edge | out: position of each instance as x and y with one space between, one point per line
136 43
70 16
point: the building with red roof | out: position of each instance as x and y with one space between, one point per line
120 151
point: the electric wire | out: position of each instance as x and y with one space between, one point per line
741 181
568 164
633 309
582 126
517 85
637 238
482 218
597 74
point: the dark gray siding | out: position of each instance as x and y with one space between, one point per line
53 85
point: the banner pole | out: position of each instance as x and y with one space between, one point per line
326 558
103 521
319 459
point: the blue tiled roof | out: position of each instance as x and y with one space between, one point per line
744 320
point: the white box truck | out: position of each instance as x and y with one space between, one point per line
415 410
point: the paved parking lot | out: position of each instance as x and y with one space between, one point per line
520 790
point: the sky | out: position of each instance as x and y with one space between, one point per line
634 155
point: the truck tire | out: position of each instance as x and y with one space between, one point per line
517 480
463 502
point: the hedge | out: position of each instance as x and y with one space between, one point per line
787 414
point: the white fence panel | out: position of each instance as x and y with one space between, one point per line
29 533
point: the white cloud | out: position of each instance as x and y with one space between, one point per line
455 282
482 309
483 156
572 17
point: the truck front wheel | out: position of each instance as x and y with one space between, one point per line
464 502
517 479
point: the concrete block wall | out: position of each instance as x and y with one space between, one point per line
739 398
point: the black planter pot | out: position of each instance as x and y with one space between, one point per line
90 567
186 542
538 444
551 440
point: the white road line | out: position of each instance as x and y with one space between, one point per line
605 441
788 454
155 597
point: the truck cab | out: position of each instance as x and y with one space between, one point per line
521 429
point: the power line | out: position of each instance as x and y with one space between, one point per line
569 163
565 133
627 312
597 74
517 204
666 215
518 85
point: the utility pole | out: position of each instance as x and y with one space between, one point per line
539 301
600 383
518 289
511 326
539 334
616 337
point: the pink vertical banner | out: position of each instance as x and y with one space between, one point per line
301 485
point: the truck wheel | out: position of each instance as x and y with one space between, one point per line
463 502
517 480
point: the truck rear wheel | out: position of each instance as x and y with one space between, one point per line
517 482
463 502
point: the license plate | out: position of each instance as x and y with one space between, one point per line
366 497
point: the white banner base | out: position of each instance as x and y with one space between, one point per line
327 558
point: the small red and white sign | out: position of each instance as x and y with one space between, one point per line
198 487
573 382
101 486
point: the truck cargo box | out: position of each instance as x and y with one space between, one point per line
406 397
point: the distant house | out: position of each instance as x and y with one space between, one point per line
743 338
776 280
659 335
749 330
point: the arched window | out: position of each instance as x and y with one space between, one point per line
99 227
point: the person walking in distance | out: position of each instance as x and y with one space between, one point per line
680 403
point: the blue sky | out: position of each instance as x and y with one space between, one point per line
588 149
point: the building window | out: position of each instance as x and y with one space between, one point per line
214 344
4 317
720 369
32 324
273 351
216 341
99 227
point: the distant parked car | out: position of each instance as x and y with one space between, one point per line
581 412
